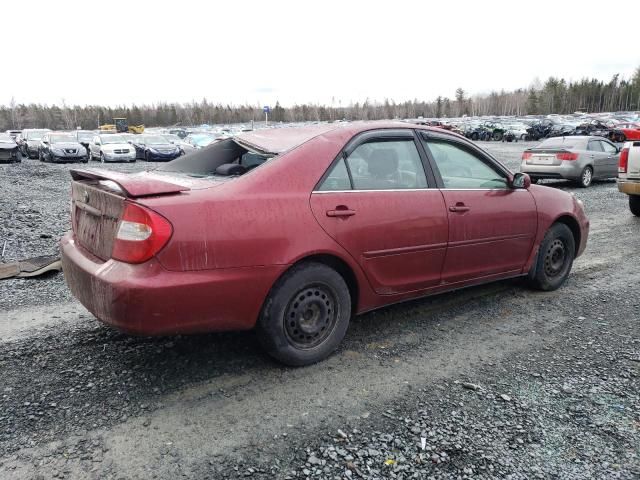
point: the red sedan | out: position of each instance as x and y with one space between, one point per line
293 231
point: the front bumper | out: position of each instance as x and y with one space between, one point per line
566 170
68 158
120 157
630 187
147 299
162 156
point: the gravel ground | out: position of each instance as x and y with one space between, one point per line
491 382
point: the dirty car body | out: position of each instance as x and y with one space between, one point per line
9 150
366 214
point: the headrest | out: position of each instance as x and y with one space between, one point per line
382 162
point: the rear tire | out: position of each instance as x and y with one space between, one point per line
634 204
306 315
554 260
586 177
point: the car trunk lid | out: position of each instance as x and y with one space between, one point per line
98 199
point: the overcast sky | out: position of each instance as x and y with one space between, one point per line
122 52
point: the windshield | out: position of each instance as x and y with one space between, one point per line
106 139
84 135
155 141
37 135
62 139
172 138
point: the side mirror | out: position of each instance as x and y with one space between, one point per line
521 180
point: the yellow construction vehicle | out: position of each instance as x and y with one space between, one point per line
120 125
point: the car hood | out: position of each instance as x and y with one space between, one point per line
113 146
7 146
66 145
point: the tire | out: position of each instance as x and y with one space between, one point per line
312 297
102 160
634 204
474 136
146 157
40 156
586 177
18 156
497 136
554 260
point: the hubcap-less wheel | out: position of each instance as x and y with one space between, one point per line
102 157
555 258
310 316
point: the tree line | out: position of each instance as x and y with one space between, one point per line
555 95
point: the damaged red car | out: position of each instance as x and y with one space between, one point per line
295 230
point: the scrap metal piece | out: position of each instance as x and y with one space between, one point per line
31 267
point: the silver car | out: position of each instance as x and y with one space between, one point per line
580 159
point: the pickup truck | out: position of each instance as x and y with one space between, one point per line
629 175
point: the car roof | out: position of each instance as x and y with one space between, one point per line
280 140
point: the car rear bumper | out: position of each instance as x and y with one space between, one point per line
630 187
147 299
566 170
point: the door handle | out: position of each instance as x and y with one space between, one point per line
341 211
459 208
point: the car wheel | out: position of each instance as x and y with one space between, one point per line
586 177
634 204
146 157
102 160
474 136
554 260
497 136
40 156
306 315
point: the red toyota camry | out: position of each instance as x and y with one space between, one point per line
295 230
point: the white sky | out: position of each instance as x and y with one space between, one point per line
142 51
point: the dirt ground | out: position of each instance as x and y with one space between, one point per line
496 381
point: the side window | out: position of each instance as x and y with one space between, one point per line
386 165
594 146
608 148
338 179
461 169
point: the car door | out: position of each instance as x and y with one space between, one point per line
95 147
610 167
376 203
597 158
491 225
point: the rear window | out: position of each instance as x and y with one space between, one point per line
556 142
223 158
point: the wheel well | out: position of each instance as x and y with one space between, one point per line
573 225
342 268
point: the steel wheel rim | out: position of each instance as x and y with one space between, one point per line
586 176
311 316
555 258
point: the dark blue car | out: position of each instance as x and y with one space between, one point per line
153 148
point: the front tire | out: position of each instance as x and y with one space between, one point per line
306 315
586 177
102 159
554 259
634 204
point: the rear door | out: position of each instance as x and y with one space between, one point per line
611 159
376 202
597 158
491 225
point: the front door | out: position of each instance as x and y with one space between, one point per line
491 225
377 205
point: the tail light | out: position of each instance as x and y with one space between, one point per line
623 163
141 234
567 156
526 155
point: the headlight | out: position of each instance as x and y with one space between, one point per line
152 150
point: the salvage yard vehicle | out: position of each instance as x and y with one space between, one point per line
61 147
110 147
13 133
83 137
625 131
29 141
629 175
154 148
9 150
580 159
293 231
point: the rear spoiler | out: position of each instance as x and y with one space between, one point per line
138 185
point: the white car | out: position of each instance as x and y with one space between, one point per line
629 175
109 147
